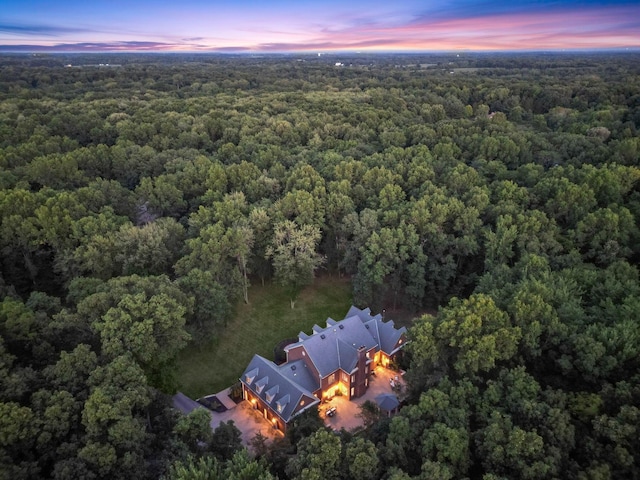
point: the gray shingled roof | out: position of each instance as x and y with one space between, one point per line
335 346
299 373
387 402
348 355
389 336
283 388
364 315
385 333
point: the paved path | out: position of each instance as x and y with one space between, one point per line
224 398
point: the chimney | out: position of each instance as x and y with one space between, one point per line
361 374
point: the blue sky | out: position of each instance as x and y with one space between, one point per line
287 25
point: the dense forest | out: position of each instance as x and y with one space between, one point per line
141 195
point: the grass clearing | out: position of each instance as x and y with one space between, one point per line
257 328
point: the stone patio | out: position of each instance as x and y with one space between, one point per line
347 410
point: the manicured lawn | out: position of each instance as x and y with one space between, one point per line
257 328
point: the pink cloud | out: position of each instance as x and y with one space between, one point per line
587 28
595 28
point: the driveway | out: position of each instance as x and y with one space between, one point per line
247 420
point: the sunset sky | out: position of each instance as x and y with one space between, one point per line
298 25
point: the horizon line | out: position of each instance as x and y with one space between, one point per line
319 52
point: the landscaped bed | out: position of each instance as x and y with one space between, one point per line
212 403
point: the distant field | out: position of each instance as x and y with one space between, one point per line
257 328
469 69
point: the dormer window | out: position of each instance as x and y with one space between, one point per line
271 394
260 384
250 376
282 403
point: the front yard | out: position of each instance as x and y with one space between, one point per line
257 328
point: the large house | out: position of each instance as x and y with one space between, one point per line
336 359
